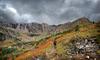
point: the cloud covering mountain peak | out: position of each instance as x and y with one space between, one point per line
48 11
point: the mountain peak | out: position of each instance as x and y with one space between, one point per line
83 19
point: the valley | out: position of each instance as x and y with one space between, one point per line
48 42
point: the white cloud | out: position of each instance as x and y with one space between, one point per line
28 18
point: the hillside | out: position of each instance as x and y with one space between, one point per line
61 38
43 41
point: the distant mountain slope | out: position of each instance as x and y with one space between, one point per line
37 29
40 28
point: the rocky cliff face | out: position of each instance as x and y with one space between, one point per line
37 28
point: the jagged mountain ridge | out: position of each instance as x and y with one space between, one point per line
43 28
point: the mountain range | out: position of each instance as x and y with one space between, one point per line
41 28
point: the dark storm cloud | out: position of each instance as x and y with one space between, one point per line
97 7
4 15
50 11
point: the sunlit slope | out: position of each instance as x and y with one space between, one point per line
82 30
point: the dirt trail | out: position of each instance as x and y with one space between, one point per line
35 52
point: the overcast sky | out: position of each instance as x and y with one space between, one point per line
48 11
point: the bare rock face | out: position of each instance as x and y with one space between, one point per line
37 28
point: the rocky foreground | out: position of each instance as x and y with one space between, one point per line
84 49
